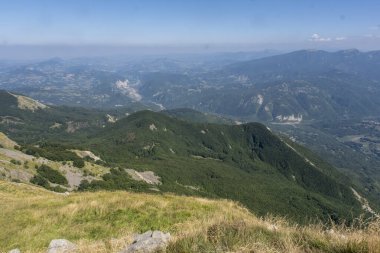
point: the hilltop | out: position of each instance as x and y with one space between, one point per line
196 224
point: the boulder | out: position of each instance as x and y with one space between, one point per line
61 246
148 242
15 251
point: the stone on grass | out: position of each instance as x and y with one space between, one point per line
148 242
15 251
61 246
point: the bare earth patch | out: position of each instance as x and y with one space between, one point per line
84 153
147 176
26 103
14 154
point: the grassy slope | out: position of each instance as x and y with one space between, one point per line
360 168
106 221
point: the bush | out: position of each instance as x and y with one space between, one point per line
100 162
51 175
56 188
39 180
51 151
78 163
16 162
88 159
116 179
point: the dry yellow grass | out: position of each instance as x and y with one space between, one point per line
6 142
105 222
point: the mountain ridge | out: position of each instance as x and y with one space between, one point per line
246 162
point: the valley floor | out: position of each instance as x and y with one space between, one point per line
31 217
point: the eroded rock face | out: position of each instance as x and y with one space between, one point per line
61 246
148 242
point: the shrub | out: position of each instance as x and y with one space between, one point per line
51 151
88 159
56 188
51 175
16 162
39 180
116 179
78 163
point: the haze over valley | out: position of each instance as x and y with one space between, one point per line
121 132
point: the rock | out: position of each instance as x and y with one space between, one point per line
144 236
15 251
148 242
61 246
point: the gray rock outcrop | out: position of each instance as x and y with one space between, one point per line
148 242
61 246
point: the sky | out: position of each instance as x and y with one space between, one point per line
219 25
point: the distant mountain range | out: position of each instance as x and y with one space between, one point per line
286 88
302 85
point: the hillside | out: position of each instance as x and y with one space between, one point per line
351 146
154 152
32 121
247 163
62 172
196 225
198 117
313 96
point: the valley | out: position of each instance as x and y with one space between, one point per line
275 141
155 126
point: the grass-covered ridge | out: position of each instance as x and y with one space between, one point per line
106 221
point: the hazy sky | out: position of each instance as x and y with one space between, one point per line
233 24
